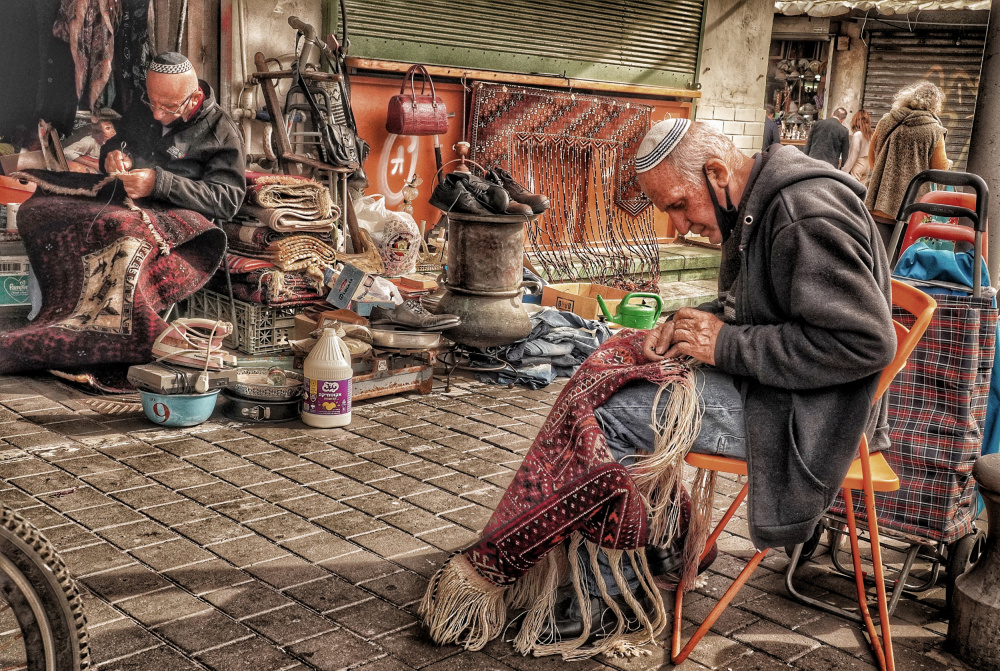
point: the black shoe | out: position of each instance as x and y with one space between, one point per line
491 195
603 621
537 202
451 195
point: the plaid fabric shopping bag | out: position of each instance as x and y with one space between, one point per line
937 407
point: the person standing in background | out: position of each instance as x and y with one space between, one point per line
829 140
907 140
772 132
857 165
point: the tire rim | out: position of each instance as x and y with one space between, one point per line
24 586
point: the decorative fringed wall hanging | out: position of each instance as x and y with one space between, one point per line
579 150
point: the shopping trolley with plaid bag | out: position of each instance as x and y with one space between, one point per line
937 407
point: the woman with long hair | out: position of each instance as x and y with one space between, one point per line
857 165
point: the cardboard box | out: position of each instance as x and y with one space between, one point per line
161 379
14 280
581 298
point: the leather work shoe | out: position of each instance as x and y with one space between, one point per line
493 196
537 202
412 314
603 621
451 195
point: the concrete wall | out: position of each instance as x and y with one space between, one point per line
734 67
847 86
265 29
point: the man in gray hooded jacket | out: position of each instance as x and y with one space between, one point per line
802 326
793 346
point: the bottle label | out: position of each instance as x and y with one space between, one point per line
326 397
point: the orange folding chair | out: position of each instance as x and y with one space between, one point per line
869 472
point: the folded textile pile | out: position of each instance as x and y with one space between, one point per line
252 237
289 203
269 286
557 345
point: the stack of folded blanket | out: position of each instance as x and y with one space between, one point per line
260 281
289 204
281 241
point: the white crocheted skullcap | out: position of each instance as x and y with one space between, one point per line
659 142
170 63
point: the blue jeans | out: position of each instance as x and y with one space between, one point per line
626 419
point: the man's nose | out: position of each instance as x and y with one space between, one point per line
680 223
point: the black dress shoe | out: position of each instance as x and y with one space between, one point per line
493 196
452 196
603 621
537 202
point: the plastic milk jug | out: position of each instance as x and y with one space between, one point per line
326 396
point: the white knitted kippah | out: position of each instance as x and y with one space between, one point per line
170 63
659 141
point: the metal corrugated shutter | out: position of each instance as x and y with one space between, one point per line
635 41
950 59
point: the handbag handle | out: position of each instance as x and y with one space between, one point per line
411 75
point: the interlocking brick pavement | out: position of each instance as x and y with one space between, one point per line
233 546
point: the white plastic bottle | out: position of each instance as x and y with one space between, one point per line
326 397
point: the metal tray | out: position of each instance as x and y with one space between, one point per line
394 338
252 383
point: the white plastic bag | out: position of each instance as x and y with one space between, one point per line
395 234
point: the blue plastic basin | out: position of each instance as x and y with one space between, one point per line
178 409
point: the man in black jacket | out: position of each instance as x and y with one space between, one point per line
772 130
180 147
829 139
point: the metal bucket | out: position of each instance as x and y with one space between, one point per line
483 282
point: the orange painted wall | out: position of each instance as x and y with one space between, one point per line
394 158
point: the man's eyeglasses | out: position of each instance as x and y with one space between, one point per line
166 110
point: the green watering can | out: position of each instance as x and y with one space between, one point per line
638 316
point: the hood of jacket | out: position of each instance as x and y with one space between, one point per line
785 166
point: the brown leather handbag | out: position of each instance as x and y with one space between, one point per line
417 113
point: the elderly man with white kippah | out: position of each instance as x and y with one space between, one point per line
179 147
790 352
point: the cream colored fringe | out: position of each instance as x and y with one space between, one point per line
658 476
462 607
702 495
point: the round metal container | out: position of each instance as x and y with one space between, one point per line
252 383
483 283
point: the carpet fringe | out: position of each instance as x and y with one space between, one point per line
462 607
658 476
702 497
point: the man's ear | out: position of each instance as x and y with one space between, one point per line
718 172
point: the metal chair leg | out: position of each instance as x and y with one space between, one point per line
232 300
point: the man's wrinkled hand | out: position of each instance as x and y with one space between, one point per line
658 340
695 334
116 162
139 183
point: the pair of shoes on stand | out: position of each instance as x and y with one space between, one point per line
498 193
195 343
412 315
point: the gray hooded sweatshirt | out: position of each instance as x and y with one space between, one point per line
805 290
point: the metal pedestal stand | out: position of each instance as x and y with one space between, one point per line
461 358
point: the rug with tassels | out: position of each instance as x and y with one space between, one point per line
569 492
106 267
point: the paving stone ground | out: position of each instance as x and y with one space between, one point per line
234 546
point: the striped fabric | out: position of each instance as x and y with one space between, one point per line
937 407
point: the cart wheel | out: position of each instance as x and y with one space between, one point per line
962 556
